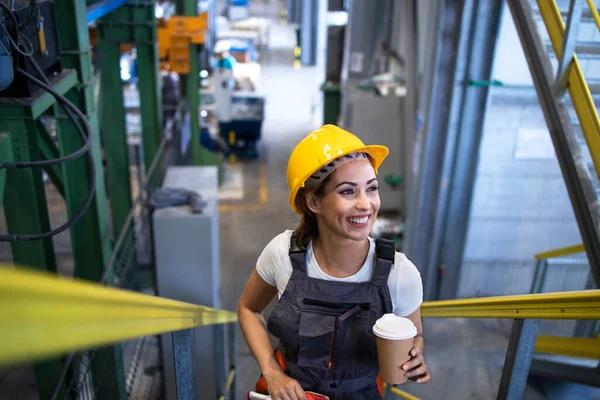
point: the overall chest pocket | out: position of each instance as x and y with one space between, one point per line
316 333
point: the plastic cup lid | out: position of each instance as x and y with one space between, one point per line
393 327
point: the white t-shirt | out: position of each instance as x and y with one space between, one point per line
404 281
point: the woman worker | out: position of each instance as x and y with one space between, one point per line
332 279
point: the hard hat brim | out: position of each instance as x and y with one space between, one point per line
377 153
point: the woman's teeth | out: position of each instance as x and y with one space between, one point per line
362 220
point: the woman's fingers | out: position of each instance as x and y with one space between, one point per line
420 370
299 392
425 378
413 362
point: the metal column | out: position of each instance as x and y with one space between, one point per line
185 364
191 89
26 211
113 132
431 144
149 81
90 237
439 210
466 126
518 358
308 31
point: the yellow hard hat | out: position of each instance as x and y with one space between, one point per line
319 148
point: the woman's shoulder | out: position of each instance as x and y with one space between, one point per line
274 258
404 272
278 247
281 242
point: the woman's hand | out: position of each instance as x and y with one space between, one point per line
282 387
415 368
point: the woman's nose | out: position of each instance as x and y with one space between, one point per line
362 202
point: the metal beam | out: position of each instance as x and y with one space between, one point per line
575 173
26 211
185 364
7 155
149 82
566 372
518 359
90 237
114 133
191 89
50 151
101 8
568 47
34 107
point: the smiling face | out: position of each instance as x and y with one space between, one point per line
348 204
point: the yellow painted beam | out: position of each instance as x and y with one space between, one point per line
44 315
569 346
564 251
578 88
594 12
583 304
402 393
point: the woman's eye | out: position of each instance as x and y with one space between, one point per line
373 189
347 192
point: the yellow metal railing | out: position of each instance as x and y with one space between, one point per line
564 251
569 346
594 12
44 315
578 87
565 305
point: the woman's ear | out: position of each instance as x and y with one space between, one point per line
313 203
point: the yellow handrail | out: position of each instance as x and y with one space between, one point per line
569 346
583 304
45 315
564 251
401 393
594 12
578 88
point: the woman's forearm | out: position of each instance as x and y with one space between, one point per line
257 338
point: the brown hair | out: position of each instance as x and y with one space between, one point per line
308 229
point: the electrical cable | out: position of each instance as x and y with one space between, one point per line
69 110
13 17
16 45
64 102
87 143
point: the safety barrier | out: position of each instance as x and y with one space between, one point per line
526 312
51 316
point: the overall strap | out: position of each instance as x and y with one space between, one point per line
385 254
297 256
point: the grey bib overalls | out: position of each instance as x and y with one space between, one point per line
325 328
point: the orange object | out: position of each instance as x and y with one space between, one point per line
261 384
175 38
262 387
